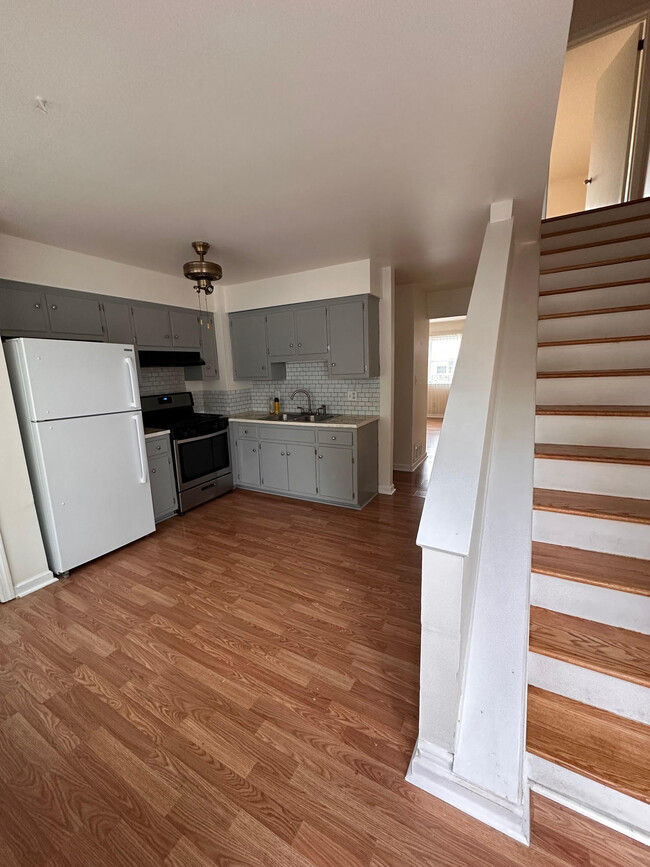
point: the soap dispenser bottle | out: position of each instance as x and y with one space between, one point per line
276 405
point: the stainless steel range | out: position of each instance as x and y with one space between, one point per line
200 444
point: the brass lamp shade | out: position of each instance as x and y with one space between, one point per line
202 272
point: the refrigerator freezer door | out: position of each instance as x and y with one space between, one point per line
72 378
94 474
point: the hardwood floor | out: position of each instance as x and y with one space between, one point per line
240 688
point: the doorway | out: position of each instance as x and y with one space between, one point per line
599 155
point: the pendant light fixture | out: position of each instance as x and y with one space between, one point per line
201 271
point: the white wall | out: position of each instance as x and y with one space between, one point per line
566 196
448 302
411 357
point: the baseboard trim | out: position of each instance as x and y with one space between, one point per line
29 585
410 468
591 799
387 489
431 769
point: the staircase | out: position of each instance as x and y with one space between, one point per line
589 661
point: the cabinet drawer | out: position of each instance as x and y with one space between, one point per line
281 433
158 446
336 437
248 431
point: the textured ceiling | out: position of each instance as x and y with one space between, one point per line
289 134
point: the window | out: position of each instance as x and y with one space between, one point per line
443 353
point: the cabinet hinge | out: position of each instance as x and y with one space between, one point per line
363 305
316 490
315 452
239 475
262 481
641 44
352 460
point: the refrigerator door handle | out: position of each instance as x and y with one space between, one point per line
141 450
131 370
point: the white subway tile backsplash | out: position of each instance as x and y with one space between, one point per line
159 380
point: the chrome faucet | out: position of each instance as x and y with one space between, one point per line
307 395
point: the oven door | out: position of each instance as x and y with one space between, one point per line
201 459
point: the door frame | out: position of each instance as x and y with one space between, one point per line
639 141
7 591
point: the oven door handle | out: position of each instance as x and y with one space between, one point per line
204 437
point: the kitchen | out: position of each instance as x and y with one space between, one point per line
198 440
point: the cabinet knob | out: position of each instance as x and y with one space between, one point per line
320 457
166 336
53 306
37 306
282 454
288 454
333 364
153 471
333 438
291 345
158 448
299 345
175 336
263 367
245 430
254 450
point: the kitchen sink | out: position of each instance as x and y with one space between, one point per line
297 418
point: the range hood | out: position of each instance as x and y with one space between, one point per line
169 358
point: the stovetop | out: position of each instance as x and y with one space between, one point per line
176 413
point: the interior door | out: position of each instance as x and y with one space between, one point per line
612 129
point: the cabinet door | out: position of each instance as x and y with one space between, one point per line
21 309
335 473
118 322
347 339
281 333
69 314
248 337
152 327
209 347
311 330
248 462
273 462
163 487
301 461
185 327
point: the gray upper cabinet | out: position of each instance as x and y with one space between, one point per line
209 347
119 325
75 315
281 333
248 339
336 473
185 329
152 327
311 331
22 309
347 355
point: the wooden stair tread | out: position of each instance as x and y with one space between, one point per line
604 225
586 340
601 243
595 311
596 409
571 374
608 649
627 574
595 743
598 454
626 509
608 285
619 260
548 220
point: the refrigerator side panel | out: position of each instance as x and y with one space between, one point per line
74 378
97 476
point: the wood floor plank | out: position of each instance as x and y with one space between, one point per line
201 698
629 574
609 649
627 509
602 746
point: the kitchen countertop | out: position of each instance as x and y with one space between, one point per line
150 432
355 421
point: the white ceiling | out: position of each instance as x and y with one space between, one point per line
290 134
583 67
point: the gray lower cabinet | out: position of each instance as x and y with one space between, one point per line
161 477
336 473
248 340
22 310
301 465
74 315
248 462
119 325
273 466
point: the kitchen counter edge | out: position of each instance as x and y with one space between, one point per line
339 421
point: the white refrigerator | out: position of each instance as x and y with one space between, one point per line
78 406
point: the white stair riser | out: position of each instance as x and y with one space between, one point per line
615 480
629 700
627 355
592 236
615 250
632 390
592 218
624 324
596 275
626 432
612 607
601 803
596 299
594 534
